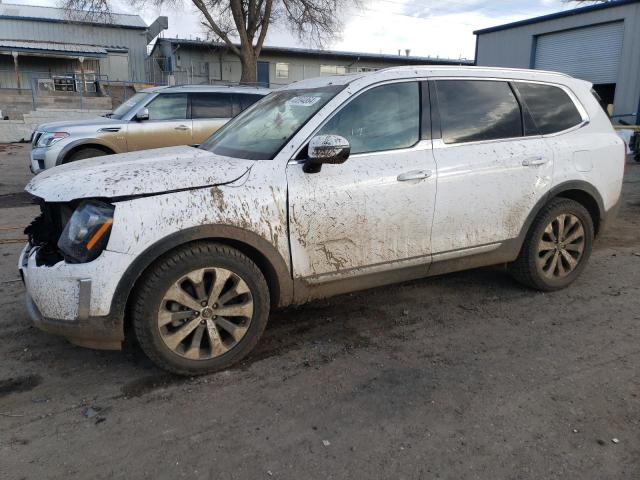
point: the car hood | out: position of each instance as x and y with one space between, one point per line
141 173
71 124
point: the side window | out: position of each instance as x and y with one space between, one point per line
474 110
246 100
551 108
211 105
383 118
168 106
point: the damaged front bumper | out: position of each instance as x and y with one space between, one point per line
73 300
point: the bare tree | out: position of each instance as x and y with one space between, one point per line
243 24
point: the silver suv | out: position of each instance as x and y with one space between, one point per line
153 118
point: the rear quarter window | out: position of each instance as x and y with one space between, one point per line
245 100
551 107
211 105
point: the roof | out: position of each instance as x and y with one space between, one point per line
52 48
307 52
424 71
554 16
210 88
59 15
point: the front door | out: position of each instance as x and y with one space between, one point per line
168 124
490 174
374 210
263 74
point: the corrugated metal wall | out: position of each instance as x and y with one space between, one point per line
202 65
590 53
514 47
133 39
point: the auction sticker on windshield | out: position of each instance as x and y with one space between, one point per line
304 101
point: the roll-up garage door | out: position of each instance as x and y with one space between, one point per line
591 53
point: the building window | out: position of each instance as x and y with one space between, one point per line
333 70
282 70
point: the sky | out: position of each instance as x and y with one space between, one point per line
426 27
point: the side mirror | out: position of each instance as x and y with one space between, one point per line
332 149
142 115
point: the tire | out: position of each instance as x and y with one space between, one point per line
85 153
199 270
535 265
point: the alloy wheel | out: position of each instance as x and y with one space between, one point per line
561 247
205 313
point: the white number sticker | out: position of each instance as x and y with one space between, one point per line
303 101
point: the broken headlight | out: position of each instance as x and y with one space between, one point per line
87 232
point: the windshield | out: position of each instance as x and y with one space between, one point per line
126 107
261 131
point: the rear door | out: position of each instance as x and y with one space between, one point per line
209 111
490 173
168 125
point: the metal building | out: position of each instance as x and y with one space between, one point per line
196 61
45 42
599 43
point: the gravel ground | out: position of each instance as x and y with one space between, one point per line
462 376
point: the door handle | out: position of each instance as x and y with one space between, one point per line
414 175
182 127
534 161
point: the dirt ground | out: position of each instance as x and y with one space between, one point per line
464 376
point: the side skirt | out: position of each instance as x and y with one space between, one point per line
447 262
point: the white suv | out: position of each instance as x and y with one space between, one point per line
326 186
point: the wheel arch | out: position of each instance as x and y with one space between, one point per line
78 145
580 191
259 250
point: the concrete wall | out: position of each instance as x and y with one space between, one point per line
20 130
15 104
515 47
134 40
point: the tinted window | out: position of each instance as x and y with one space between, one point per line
473 110
551 108
246 100
168 107
383 118
211 105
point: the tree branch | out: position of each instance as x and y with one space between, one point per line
200 5
264 26
239 19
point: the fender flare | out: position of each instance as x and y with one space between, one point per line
556 191
277 269
82 142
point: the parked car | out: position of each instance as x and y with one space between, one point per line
154 117
326 186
